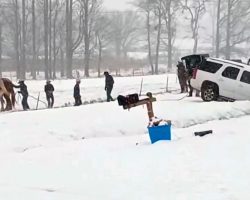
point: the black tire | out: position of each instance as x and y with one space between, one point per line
209 92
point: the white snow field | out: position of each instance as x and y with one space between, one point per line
92 89
102 152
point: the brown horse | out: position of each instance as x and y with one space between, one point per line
7 93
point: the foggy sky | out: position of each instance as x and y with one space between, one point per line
117 4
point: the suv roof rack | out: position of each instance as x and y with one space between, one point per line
202 55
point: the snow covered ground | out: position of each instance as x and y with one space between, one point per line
92 89
101 151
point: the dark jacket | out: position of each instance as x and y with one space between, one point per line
23 89
181 70
77 90
49 89
109 81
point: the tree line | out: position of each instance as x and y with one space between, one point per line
58 35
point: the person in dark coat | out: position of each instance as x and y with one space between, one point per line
109 82
77 94
182 76
191 89
49 89
24 92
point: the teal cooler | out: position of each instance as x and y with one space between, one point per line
157 133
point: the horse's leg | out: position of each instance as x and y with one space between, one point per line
8 102
13 98
10 93
2 87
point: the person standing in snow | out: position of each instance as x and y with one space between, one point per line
191 89
49 89
181 73
77 94
24 92
109 82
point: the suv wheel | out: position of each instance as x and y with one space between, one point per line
209 93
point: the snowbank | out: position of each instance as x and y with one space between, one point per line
101 151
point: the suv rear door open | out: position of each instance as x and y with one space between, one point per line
194 60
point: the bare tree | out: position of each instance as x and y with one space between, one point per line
10 14
55 31
234 26
124 29
218 20
71 43
23 41
90 10
46 40
86 10
17 36
61 37
69 52
50 38
33 69
228 38
170 8
159 15
61 47
196 9
103 37
147 7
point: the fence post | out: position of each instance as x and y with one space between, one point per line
37 101
141 86
167 84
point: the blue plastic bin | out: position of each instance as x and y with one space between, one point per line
157 133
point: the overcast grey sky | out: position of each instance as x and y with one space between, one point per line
117 4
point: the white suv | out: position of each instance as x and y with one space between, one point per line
221 78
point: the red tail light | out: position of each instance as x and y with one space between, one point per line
194 73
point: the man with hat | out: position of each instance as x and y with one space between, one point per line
24 92
77 94
182 76
109 82
49 89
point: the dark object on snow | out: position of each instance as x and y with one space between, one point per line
202 133
77 95
132 100
127 100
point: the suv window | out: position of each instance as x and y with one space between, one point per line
231 72
245 77
210 67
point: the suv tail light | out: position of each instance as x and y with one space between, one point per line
194 73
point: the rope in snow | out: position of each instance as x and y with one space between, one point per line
38 100
179 99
